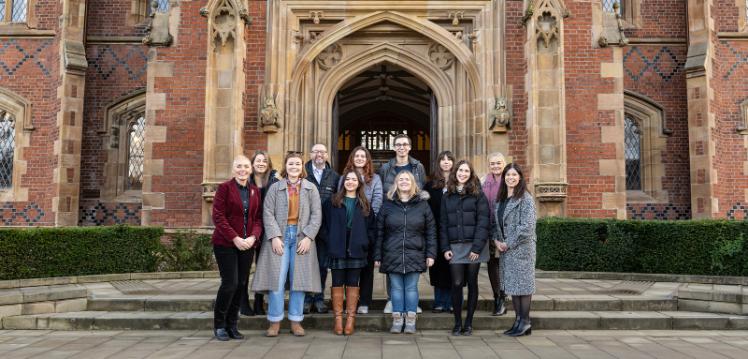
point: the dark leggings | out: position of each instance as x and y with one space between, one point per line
495 277
346 277
521 304
367 284
462 273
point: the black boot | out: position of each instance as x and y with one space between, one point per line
456 331
513 328
467 329
523 328
234 333
499 306
221 334
259 304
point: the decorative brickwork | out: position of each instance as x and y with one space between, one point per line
97 213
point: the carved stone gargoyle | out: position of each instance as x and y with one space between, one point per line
501 116
157 31
270 116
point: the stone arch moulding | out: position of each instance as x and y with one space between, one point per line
434 77
421 26
17 104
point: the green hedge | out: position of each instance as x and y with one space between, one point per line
53 252
709 247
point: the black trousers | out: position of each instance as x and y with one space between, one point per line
233 266
366 283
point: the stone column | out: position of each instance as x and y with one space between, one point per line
67 148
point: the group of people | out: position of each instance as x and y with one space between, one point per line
307 219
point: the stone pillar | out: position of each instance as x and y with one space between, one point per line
224 114
546 118
701 114
67 148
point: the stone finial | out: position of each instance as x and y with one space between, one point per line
501 116
270 116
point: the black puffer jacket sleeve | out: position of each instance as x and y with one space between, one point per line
431 244
482 225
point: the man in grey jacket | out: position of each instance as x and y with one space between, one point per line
402 162
388 172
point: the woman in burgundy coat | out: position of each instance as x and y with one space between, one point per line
237 216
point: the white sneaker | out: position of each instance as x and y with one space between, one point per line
388 307
419 310
364 309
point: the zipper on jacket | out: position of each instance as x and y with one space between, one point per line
405 231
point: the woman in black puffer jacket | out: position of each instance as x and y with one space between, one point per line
405 246
464 232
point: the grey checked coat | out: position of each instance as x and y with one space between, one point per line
275 217
518 262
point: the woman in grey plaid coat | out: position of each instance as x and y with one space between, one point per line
292 216
515 235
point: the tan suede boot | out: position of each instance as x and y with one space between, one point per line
297 330
351 303
273 329
337 309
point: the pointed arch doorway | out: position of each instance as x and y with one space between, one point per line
376 105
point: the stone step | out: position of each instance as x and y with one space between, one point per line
556 320
541 303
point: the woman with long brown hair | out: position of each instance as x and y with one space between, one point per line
347 222
360 161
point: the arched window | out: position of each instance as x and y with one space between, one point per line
633 154
7 148
135 153
610 5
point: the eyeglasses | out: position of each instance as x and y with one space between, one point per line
319 151
299 153
400 145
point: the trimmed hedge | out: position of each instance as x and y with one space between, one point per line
708 247
54 252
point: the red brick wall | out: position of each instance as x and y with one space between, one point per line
516 71
31 70
583 120
662 18
109 18
254 69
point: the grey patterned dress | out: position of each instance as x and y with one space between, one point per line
518 262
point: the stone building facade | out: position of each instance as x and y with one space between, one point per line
130 111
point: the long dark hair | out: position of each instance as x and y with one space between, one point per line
337 198
368 170
519 190
266 177
472 186
438 176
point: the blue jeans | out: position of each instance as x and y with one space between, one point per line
404 291
443 298
276 298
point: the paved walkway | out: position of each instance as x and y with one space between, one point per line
431 345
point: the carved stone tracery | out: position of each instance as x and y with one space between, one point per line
440 56
330 57
224 23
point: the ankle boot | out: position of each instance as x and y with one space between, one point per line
337 309
513 328
499 306
259 302
523 328
351 302
273 329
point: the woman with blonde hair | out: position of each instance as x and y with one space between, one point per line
405 247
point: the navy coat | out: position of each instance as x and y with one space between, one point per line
334 225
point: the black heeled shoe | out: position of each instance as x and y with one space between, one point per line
456 331
234 333
499 306
221 334
524 328
513 328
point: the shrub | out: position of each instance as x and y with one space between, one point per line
187 251
709 247
53 252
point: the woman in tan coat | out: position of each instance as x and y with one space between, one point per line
292 215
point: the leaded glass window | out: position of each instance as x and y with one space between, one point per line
609 6
19 10
2 10
161 5
7 148
633 154
135 153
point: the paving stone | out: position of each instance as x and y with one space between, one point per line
634 320
157 275
116 304
701 321
103 278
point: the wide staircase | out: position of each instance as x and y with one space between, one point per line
564 301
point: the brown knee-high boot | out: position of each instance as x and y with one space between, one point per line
351 303
337 309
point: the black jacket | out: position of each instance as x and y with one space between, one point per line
328 183
439 274
387 173
334 223
464 219
406 235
